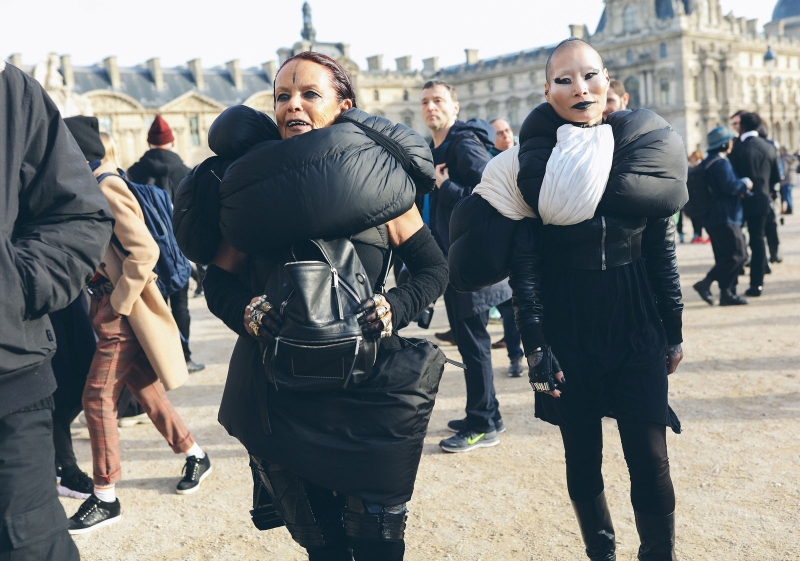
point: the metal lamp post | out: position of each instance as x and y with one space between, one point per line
770 62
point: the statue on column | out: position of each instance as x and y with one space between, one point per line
308 33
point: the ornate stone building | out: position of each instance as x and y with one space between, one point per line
681 58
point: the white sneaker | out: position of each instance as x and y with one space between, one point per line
140 419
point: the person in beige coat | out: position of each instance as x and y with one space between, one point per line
138 344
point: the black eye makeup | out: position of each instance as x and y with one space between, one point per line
282 97
562 80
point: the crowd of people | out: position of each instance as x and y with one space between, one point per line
738 184
566 231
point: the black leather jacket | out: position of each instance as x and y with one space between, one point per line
600 243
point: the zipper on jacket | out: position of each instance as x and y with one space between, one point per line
603 243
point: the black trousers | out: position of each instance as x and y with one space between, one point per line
771 232
730 254
179 303
758 248
76 346
33 525
475 346
645 449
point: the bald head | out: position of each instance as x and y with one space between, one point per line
564 48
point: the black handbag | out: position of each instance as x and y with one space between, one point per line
320 346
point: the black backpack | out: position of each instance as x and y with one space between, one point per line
320 346
701 195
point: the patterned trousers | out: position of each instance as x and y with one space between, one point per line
119 361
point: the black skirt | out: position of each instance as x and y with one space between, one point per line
604 328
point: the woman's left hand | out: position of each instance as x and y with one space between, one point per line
674 357
376 321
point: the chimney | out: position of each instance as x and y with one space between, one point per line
16 60
403 63
67 72
235 72
579 31
472 56
197 73
345 49
283 55
752 27
154 66
112 70
270 69
375 62
430 64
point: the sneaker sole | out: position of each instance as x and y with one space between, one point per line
499 431
67 492
196 487
481 444
97 526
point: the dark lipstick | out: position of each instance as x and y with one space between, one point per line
583 105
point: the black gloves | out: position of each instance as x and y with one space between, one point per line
542 369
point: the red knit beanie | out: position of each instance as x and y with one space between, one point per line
159 133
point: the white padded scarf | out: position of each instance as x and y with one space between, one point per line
498 186
576 175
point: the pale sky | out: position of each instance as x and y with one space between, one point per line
177 30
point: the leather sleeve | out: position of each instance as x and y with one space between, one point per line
524 279
429 275
658 249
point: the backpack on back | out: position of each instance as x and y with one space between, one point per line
320 346
701 196
172 267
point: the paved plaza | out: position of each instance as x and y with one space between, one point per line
736 467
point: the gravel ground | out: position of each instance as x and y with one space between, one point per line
735 466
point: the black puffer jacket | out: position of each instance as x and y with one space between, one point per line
647 180
320 177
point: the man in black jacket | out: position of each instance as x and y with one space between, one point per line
755 158
162 167
55 226
460 152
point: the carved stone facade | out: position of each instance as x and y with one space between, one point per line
680 58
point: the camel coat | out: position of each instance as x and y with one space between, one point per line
135 294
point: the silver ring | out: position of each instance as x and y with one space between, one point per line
387 323
378 299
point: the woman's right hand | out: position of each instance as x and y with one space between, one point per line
544 371
261 320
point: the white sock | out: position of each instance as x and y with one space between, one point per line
105 494
196 451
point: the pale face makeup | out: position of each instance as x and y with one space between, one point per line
578 84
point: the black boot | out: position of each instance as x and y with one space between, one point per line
596 528
657 536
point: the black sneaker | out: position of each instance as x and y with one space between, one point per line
732 300
94 514
75 484
467 439
515 368
194 471
461 424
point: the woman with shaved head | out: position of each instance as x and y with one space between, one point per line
585 206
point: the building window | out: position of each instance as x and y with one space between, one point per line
629 19
632 87
472 112
629 56
471 88
492 110
716 86
376 95
513 113
405 95
664 83
491 85
510 82
194 130
533 77
696 88
662 50
408 120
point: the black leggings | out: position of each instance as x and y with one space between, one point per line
645 448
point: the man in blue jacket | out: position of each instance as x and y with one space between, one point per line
460 152
723 220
